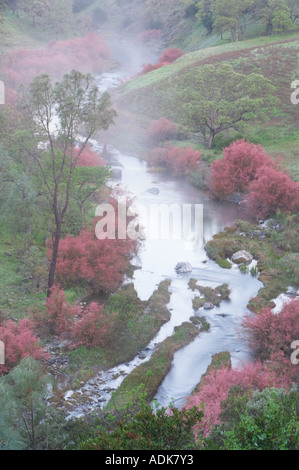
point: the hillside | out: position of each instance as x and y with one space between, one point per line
150 96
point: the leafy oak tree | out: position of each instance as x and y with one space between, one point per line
294 9
56 116
275 14
35 9
231 15
59 17
216 98
205 14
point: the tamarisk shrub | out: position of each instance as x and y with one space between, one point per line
176 160
273 190
86 54
99 264
57 316
89 158
272 333
161 130
216 386
79 325
19 341
167 57
93 327
238 168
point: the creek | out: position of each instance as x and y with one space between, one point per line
156 261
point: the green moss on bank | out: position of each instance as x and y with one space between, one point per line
138 323
152 372
276 252
218 360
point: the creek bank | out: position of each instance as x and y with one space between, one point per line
157 260
276 259
151 373
210 297
219 360
138 323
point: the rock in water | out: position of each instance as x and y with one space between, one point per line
183 267
242 257
208 306
153 191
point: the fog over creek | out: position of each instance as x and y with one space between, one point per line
157 260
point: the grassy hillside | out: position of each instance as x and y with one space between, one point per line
151 96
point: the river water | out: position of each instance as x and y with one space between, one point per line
157 260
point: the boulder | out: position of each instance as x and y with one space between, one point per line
291 292
153 191
242 256
117 173
236 198
183 267
208 306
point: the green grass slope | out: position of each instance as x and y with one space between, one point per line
151 96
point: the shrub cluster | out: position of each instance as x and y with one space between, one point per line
19 342
247 169
161 130
167 57
175 160
87 54
87 326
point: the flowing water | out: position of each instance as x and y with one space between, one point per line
157 260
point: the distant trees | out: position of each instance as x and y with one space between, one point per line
216 98
86 54
205 14
56 15
233 15
294 9
35 8
59 17
275 14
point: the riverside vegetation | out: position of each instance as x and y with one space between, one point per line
66 313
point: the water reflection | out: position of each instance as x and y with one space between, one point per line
157 260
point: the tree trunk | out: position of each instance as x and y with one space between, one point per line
51 278
269 28
210 141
